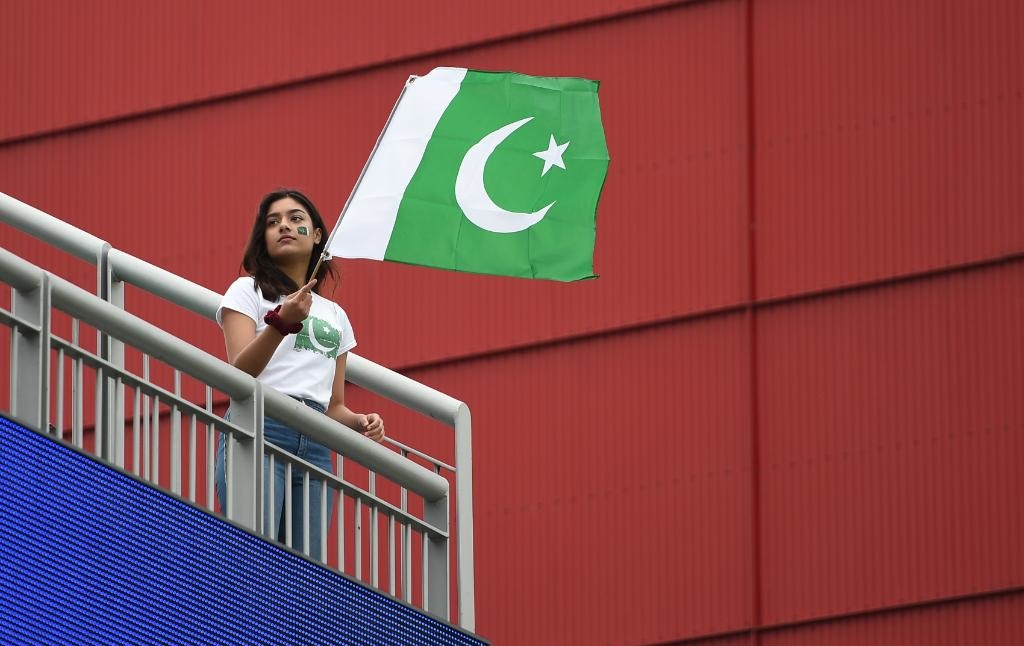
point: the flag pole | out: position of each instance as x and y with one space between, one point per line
359 180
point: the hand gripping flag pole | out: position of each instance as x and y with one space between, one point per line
325 255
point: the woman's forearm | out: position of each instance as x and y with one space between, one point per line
255 356
341 413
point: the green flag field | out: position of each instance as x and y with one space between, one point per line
483 172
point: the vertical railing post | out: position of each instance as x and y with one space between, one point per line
464 517
245 478
112 416
30 355
435 512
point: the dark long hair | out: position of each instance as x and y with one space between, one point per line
256 260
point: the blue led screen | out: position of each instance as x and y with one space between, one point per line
90 554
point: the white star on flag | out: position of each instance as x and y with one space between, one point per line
552 156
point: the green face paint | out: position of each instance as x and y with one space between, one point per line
303 231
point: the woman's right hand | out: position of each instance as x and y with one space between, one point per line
296 306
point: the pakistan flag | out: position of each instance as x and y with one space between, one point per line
484 172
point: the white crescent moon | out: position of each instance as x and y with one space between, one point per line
472 196
315 342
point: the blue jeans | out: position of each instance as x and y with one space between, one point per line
309 450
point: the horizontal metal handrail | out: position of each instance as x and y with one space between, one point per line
354 445
20 275
51 230
168 286
408 450
356 493
73 351
408 392
237 384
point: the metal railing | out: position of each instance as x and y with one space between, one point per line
53 377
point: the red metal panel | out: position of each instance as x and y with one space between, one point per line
179 189
728 640
66 62
889 138
612 485
993 621
891 433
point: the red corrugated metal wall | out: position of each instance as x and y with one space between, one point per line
790 409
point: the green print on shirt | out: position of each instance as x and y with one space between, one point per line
319 336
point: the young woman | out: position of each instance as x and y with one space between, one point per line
280 330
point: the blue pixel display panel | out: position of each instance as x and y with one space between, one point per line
92 554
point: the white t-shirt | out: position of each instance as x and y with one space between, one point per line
304 364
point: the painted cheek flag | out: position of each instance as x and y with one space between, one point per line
483 172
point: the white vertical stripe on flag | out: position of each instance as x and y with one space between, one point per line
366 227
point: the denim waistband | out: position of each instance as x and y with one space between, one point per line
315 405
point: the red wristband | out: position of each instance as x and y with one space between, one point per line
274 320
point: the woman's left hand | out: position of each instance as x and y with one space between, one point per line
372 426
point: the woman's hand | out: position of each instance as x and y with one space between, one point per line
296 306
371 425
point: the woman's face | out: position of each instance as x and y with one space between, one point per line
289 231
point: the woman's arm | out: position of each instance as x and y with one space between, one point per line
251 352
248 351
370 424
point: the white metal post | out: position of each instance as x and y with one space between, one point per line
245 478
112 291
464 517
436 552
30 355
